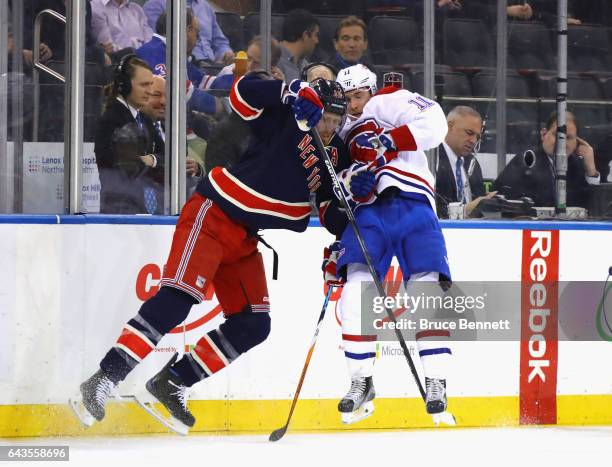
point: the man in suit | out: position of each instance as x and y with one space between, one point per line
458 174
128 163
155 109
532 173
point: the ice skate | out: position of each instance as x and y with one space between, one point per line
435 401
358 402
94 392
167 387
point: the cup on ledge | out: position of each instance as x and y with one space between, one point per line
456 211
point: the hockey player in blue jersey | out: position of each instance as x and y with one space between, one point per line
392 189
215 243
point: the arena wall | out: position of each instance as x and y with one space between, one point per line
69 283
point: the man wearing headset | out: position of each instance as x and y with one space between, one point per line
124 143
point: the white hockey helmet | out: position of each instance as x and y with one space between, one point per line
357 77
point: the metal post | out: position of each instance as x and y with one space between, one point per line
5 176
74 111
265 30
17 107
176 125
502 71
429 38
561 155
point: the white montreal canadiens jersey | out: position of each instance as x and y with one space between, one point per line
392 108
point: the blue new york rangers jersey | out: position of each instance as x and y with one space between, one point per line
271 185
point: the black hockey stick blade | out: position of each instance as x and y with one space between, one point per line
278 434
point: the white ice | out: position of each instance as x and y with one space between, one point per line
491 447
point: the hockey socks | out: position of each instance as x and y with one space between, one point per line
156 317
220 347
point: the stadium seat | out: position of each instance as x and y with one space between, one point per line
588 49
380 71
231 25
447 83
325 49
579 88
467 43
530 46
95 73
394 40
251 26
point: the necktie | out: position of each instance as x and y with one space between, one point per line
458 174
139 120
150 200
160 133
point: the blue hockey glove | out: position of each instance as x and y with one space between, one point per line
362 184
305 102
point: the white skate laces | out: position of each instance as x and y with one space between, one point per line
181 393
357 390
103 390
435 389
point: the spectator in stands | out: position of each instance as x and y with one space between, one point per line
119 24
350 42
212 45
124 148
300 37
155 109
225 78
154 53
532 173
458 174
53 34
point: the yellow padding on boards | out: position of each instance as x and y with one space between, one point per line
311 415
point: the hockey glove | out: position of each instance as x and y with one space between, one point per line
331 255
371 145
307 106
364 184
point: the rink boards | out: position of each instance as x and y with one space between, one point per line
68 284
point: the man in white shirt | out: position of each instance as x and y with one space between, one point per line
119 24
458 173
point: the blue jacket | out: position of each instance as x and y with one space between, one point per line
154 53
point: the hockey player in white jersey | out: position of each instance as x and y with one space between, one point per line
393 191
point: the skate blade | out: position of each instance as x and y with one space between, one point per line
77 406
361 413
145 400
445 417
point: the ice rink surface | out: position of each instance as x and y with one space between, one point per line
532 446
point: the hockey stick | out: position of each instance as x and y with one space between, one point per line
445 416
278 434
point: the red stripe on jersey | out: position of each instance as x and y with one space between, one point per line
403 138
358 338
208 355
432 333
387 90
240 106
135 343
322 210
252 200
405 174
